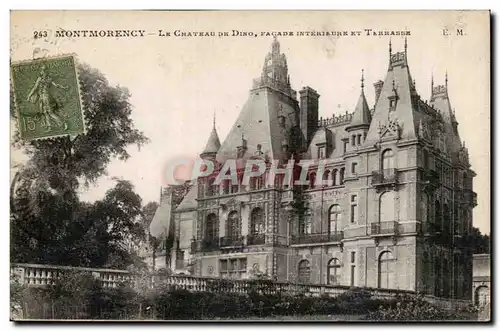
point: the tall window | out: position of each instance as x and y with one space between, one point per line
353 140
305 225
353 168
321 152
386 269
426 159
359 139
388 159
424 208
211 226
225 186
334 177
333 218
353 268
341 180
257 221
333 272
438 218
354 208
346 142
210 187
304 271
446 219
386 207
326 176
233 225
312 179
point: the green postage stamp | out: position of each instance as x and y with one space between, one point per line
47 97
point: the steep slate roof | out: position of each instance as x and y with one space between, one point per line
258 121
397 82
441 101
160 224
189 200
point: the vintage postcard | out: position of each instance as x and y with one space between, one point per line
250 165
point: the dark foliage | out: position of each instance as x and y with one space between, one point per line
49 223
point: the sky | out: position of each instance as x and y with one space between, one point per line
177 83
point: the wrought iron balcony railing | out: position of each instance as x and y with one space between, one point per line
385 177
205 245
256 239
470 197
313 238
388 228
231 241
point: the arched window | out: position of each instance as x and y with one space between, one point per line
387 159
333 219
482 296
233 225
341 179
304 271
257 221
386 270
326 176
210 226
386 206
312 179
333 272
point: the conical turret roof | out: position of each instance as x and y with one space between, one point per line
213 143
362 116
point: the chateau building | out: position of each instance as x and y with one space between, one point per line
395 213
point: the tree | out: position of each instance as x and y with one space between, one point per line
480 243
49 222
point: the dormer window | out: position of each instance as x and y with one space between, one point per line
322 152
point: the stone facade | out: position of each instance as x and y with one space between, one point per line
393 215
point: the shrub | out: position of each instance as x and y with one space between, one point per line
417 309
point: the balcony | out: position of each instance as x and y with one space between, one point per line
381 229
227 242
315 238
205 245
384 178
470 197
256 239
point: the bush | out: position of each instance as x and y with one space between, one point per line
417 309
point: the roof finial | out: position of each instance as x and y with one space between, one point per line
446 79
362 79
393 85
406 45
390 48
432 82
214 119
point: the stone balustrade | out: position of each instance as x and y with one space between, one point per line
44 275
41 274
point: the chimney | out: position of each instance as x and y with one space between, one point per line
378 88
308 112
